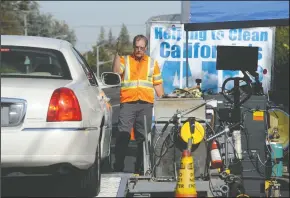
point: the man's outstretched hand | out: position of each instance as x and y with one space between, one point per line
116 61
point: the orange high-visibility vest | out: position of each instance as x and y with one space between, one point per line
138 79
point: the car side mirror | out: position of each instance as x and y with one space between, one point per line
111 79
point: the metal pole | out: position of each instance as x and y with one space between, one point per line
87 56
25 23
146 155
97 64
272 69
186 51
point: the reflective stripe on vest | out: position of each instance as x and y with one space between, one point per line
127 69
127 83
122 67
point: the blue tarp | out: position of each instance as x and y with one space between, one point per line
223 11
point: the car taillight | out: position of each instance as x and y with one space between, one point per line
63 106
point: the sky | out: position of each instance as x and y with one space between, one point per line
86 17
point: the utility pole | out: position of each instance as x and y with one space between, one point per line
97 59
24 14
25 22
87 56
98 62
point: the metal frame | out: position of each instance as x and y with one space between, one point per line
273 59
146 154
144 185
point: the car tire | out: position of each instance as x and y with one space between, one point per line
89 181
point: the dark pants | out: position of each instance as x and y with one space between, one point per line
132 115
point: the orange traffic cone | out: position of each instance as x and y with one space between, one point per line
132 134
186 185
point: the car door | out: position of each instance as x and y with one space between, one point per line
95 98
98 93
108 107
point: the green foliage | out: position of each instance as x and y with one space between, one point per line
10 23
281 61
124 37
110 39
38 24
282 46
108 49
102 37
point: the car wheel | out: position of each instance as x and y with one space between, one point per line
89 181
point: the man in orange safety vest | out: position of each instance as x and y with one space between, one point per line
140 77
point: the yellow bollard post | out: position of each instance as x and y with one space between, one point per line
186 185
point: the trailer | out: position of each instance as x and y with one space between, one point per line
163 183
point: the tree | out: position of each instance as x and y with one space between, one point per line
281 43
91 58
43 27
124 37
124 40
12 21
30 10
108 50
47 26
102 37
62 30
110 38
281 61
27 6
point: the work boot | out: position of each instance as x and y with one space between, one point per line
139 160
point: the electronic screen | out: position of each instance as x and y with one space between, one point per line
237 58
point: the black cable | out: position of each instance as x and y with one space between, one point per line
162 154
157 161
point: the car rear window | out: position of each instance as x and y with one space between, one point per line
31 62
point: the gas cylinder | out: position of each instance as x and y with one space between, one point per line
216 159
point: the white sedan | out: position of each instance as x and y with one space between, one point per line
55 118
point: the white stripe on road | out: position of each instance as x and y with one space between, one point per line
116 105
